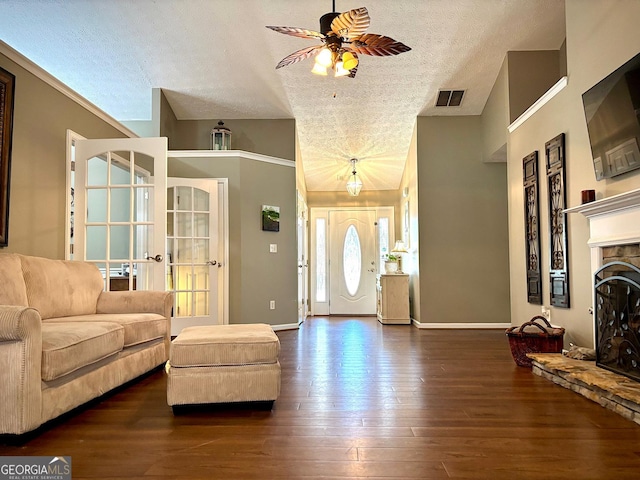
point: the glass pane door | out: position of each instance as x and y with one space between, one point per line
192 256
116 210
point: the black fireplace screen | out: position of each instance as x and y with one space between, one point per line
617 316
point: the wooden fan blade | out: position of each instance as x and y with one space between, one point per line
298 56
297 32
378 45
351 24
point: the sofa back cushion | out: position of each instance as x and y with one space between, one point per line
61 288
13 290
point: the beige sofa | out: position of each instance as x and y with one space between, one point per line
64 341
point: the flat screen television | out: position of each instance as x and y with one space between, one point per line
612 110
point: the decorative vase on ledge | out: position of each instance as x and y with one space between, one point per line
390 267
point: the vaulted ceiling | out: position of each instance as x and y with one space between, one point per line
215 59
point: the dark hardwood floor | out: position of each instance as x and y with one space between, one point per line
359 400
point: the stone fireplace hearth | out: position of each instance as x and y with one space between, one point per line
614 392
614 379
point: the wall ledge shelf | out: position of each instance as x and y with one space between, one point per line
230 153
538 104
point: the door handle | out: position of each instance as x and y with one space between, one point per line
158 258
212 262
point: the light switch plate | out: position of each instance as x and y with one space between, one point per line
273 248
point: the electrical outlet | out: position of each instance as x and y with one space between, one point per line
273 248
546 313
272 305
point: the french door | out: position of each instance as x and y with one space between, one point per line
194 254
120 201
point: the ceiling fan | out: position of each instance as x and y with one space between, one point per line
343 39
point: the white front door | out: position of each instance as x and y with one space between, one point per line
120 201
353 262
194 257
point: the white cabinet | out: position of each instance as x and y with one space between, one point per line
393 299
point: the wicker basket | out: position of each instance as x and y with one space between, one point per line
531 337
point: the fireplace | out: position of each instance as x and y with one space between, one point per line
614 239
617 318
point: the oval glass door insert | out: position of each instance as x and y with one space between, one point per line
352 260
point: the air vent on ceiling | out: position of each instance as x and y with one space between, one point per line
449 98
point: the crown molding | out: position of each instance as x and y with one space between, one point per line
52 81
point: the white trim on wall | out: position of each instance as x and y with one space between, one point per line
461 326
285 326
231 153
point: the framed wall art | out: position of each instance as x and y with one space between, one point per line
532 227
7 86
270 218
558 242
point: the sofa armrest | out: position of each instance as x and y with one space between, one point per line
20 369
139 301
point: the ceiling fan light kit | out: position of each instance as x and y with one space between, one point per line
343 39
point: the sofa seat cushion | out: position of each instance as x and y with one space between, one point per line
225 345
138 327
69 346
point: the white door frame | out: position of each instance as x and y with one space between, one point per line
302 230
322 308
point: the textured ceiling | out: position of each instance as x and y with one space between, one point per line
215 60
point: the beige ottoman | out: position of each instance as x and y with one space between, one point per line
223 363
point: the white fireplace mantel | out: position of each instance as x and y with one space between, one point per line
614 220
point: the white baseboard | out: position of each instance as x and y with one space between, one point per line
285 326
461 326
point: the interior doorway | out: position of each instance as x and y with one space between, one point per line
117 217
352 261
303 258
195 259
348 247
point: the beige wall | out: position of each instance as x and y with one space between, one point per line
523 78
165 123
411 260
601 36
531 74
367 198
37 202
495 118
275 138
255 275
301 184
463 225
